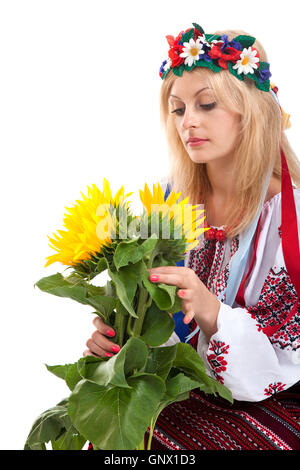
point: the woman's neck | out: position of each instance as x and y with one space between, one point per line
215 207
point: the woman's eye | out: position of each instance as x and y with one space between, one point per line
178 111
207 107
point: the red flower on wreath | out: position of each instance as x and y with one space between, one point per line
174 54
176 48
228 54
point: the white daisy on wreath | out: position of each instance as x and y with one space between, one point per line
192 51
248 61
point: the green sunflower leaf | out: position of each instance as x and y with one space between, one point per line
157 327
132 251
116 417
125 281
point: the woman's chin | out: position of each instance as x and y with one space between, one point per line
198 158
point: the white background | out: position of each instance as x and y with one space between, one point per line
79 89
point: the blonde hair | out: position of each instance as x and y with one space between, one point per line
256 153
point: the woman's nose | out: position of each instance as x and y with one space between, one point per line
190 119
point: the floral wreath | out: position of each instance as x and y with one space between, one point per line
193 48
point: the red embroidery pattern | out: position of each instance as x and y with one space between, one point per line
274 388
202 258
222 280
276 300
216 360
215 269
206 262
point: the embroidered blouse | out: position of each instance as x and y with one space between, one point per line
240 355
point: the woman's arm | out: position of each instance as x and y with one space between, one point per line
243 358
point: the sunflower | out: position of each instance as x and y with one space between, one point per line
181 215
89 226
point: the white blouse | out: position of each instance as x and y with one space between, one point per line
240 355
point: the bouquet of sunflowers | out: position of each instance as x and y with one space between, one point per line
115 401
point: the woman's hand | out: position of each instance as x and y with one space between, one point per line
98 344
196 300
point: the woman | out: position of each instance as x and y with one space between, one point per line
240 286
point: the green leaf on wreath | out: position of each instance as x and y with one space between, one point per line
189 68
208 64
178 70
187 36
212 37
198 27
264 86
245 41
234 72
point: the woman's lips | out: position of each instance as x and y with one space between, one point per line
195 142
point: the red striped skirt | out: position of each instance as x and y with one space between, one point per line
206 422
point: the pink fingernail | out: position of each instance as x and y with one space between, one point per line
154 277
108 355
115 348
181 293
110 333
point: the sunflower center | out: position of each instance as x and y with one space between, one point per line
245 61
194 51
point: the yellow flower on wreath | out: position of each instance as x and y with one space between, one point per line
81 238
184 214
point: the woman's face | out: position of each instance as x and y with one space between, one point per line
198 115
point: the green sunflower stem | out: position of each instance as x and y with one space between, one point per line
120 326
152 426
141 310
129 326
144 300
